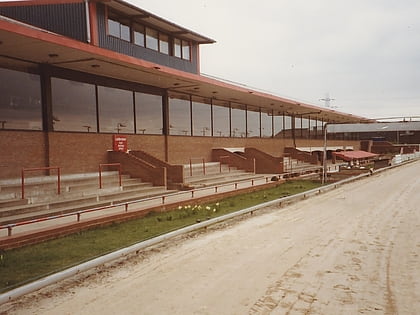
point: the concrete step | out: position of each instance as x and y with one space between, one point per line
225 180
13 202
40 211
233 172
34 186
210 168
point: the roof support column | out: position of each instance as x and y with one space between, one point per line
165 127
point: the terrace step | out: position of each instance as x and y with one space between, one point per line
39 211
78 192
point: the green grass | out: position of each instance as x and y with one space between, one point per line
23 265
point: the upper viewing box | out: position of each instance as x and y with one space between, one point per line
114 25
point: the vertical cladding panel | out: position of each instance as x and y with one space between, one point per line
124 47
65 19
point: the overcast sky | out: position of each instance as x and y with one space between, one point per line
364 53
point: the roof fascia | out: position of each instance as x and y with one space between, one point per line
37 2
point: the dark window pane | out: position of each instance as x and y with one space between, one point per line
220 120
253 114
20 100
177 47
149 114
185 50
238 121
151 39
114 28
201 111
164 44
266 125
115 110
74 105
179 116
125 32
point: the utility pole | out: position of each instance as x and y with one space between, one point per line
327 100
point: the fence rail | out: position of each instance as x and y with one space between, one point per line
40 169
101 166
126 205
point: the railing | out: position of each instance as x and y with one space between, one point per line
201 160
40 169
163 199
109 164
221 158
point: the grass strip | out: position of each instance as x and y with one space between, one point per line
23 265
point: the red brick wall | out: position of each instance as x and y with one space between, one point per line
82 152
20 149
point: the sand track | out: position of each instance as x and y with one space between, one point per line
353 250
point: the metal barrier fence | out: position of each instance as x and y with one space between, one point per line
163 198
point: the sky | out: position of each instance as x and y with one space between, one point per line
364 54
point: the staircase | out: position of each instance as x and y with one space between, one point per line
78 192
298 167
214 174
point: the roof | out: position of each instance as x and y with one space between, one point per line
354 155
375 127
26 46
133 13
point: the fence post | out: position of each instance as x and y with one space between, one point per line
23 183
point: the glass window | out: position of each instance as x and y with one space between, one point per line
20 100
253 122
305 127
125 32
114 28
221 122
266 125
74 105
139 35
117 29
238 121
164 43
186 50
151 38
201 113
149 114
278 126
287 126
179 115
115 110
177 47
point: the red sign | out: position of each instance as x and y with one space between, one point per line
120 143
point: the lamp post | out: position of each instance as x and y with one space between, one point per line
324 156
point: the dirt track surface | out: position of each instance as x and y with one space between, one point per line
353 250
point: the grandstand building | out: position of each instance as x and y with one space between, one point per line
82 78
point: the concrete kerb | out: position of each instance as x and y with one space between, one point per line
62 275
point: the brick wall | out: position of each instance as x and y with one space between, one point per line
20 149
82 152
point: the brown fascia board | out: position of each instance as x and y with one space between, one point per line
36 2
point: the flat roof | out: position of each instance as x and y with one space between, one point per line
22 45
133 13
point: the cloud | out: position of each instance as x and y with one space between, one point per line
364 53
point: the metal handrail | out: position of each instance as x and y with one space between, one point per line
109 164
40 169
78 214
203 162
